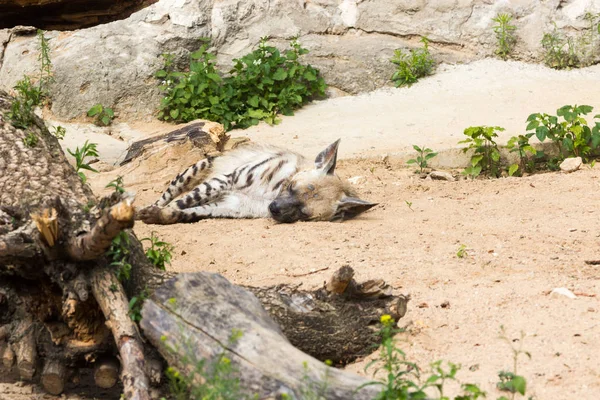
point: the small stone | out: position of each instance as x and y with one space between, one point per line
442 176
558 292
571 164
357 180
445 304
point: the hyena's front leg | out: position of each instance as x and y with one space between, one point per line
202 194
183 182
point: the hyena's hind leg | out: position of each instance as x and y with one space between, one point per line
184 181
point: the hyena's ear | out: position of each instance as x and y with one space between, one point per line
350 207
326 159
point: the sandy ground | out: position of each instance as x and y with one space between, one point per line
523 236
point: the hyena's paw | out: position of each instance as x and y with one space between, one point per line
156 215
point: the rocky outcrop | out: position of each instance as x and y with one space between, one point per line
350 41
66 14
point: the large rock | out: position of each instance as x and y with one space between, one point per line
351 41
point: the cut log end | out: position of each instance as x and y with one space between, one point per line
340 280
26 354
54 376
106 372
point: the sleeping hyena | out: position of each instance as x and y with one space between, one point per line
258 182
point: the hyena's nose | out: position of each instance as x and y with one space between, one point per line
274 209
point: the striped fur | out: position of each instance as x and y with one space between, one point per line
255 182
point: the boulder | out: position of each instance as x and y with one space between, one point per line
350 41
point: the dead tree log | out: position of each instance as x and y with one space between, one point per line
192 317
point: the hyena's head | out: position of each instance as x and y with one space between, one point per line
317 194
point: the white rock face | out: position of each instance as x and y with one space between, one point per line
350 41
571 164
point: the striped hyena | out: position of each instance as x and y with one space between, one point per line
257 182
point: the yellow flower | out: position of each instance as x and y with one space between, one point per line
226 361
386 319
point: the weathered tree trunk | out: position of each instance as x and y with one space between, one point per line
192 318
62 308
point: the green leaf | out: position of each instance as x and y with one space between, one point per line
106 120
253 101
95 110
532 117
310 75
214 77
109 111
541 132
161 74
512 169
259 114
174 113
532 125
585 109
417 148
520 384
476 160
280 74
430 156
411 161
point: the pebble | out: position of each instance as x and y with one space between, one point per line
558 292
571 164
442 176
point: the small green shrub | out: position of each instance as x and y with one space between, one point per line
520 144
30 140
87 150
135 306
510 381
260 86
486 155
560 51
572 135
412 65
117 184
505 35
462 251
403 380
159 252
118 253
45 78
59 132
425 154
104 115
199 381
28 96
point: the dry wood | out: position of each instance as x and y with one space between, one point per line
25 350
197 314
112 301
94 244
106 372
340 279
8 357
54 376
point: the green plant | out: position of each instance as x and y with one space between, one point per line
412 65
315 390
87 150
117 184
135 305
28 96
119 255
510 381
46 77
486 155
104 115
59 132
30 140
572 135
403 379
520 144
159 252
199 381
462 251
560 51
425 155
505 34
409 204
260 86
